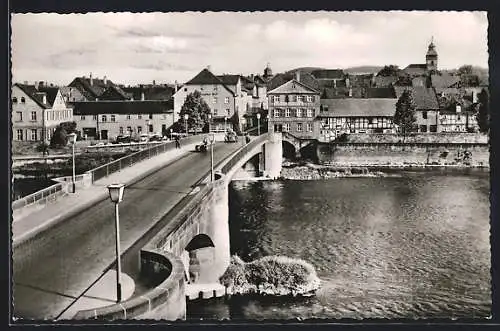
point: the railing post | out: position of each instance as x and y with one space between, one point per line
107 170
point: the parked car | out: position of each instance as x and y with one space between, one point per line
123 139
144 138
155 137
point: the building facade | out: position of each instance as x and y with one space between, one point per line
105 120
457 121
227 99
364 115
37 112
292 108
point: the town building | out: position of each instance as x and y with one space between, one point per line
429 67
37 111
457 120
105 120
227 98
292 108
427 107
91 88
355 115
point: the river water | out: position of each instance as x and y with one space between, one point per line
413 245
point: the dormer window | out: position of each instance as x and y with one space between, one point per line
14 100
23 100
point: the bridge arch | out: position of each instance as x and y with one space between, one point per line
290 152
199 257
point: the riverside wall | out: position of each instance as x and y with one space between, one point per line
387 154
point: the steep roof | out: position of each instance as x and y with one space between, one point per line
150 92
358 107
384 81
425 98
122 107
71 93
50 92
229 79
444 80
328 74
88 90
416 69
380 92
32 92
280 79
205 77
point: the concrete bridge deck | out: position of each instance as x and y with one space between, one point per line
55 267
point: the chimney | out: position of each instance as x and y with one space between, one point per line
142 96
209 68
44 100
105 80
350 91
474 96
40 84
347 82
297 75
91 80
154 82
175 86
458 109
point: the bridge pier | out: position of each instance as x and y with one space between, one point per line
273 151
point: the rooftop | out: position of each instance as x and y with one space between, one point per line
358 107
122 107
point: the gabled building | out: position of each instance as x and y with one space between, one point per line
36 112
150 92
427 107
91 88
292 108
105 120
225 95
366 115
429 67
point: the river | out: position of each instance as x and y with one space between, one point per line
413 245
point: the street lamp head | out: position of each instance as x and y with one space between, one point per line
212 137
116 192
72 137
186 116
209 115
258 116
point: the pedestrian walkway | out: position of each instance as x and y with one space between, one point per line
101 294
29 222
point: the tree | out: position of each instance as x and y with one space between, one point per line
465 70
404 116
390 70
60 136
483 114
197 110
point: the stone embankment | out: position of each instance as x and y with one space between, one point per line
313 172
271 275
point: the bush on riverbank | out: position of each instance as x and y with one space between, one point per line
275 275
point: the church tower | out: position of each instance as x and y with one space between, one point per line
431 58
268 73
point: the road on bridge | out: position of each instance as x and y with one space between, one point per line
57 266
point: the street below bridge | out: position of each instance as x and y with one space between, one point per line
54 268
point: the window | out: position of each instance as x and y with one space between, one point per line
121 129
424 115
104 118
150 116
294 98
82 117
309 127
423 128
23 100
151 128
14 100
309 98
139 117
433 128
164 116
310 113
113 118
228 111
139 129
276 113
286 127
129 129
215 87
226 100
287 112
185 89
19 134
299 112
94 117
19 116
299 127
214 100
276 98
215 112
34 135
33 115
300 98
458 118
128 116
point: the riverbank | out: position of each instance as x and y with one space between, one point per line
271 275
310 171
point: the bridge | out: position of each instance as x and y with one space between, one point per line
174 231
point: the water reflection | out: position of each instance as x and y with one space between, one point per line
413 246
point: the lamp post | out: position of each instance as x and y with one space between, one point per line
212 141
116 196
258 124
170 134
225 123
209 121
186 116
72 138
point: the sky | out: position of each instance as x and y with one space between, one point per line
132 48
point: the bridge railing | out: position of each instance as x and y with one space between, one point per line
243 151
40 196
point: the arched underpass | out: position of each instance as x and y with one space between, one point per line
199 257
289 151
